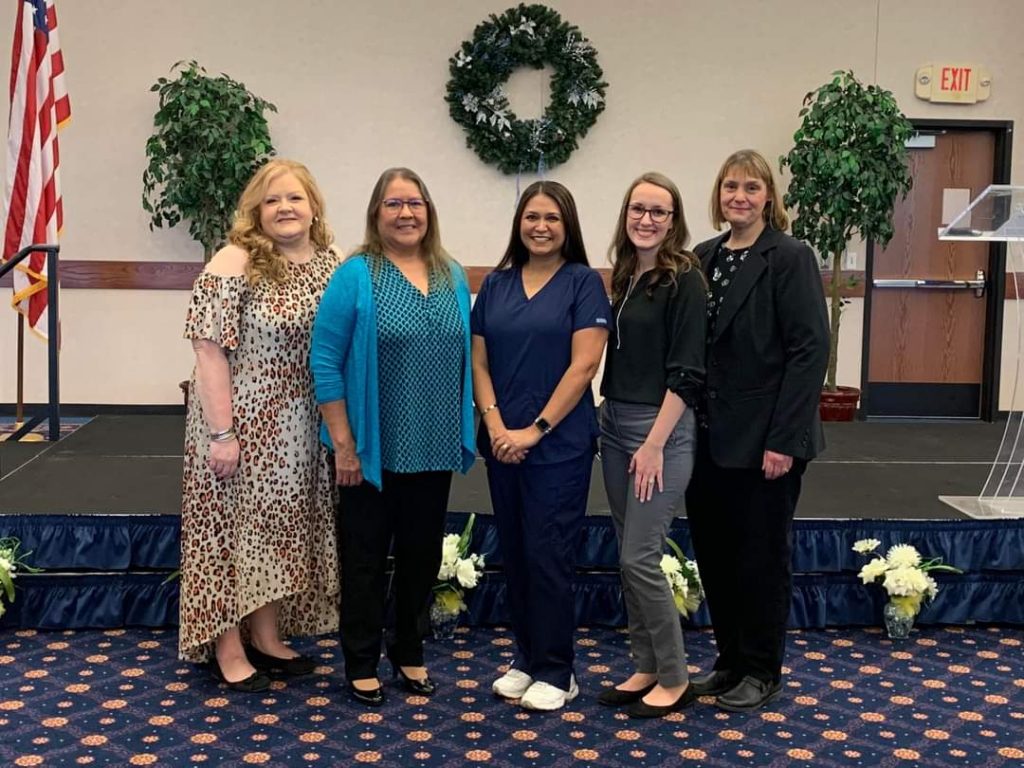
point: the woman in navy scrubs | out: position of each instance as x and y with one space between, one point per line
539 325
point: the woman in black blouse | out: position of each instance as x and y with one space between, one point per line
653 375
767 353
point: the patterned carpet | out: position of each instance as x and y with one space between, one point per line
947 697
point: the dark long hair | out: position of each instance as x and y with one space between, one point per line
673 257
573 250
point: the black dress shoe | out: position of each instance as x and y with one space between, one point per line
640 709
300 665
714 682
615 697
254 683
748 695
420 687
371 698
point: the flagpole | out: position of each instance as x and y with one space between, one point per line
19 408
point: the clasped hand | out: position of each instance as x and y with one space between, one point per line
510 446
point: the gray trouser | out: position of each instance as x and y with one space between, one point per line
655 633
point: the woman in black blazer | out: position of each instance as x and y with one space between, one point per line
768 344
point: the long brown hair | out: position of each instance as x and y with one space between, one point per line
572 249
265 261
672 258
437 258
752 163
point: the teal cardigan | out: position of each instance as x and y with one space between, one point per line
344 361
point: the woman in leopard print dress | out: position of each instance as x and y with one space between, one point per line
257 539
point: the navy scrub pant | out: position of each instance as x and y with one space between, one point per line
539 511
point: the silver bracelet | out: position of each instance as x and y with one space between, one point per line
223 435
489 408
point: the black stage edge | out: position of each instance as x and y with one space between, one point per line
101 508
131 464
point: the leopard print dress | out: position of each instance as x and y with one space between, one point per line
267 533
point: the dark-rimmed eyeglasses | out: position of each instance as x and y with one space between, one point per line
394 205
635 211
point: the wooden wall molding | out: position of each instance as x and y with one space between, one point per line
179 275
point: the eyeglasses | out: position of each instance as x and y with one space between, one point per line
394 206
658 215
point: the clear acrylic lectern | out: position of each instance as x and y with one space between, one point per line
997 214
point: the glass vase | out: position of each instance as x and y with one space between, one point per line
898 621
443 621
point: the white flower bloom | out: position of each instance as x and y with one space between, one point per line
932 589
462 60
903 555
6 564
866 545
467 573
872 570
905 581
670 565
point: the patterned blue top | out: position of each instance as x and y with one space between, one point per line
421 357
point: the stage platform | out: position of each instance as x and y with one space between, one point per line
100 511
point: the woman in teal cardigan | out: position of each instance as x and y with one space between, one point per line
391 366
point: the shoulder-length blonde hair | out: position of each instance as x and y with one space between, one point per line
437 258
672 259
752 163
266 262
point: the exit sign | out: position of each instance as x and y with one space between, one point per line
952 83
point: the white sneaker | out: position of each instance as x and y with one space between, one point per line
546 697
513 684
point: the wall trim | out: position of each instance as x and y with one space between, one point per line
179 276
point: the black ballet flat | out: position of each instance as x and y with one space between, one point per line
371 698
254 683
615 697
424 687
640 709
300 665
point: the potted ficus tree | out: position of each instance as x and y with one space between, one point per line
210 137
848 164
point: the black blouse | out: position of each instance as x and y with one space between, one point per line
658 342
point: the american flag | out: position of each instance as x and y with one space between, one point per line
39 108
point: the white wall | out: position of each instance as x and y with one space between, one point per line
359 86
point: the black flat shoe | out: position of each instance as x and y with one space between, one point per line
714 682
371 698
615 697
641 710
424 687
300 665
254 683
748 695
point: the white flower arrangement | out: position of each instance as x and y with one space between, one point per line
10 561
903 574
683 579
460 570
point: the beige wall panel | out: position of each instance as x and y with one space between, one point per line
359 86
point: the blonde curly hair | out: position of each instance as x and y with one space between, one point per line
265 261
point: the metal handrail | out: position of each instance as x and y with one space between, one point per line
52 329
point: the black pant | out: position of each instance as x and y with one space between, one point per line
409 510
742 530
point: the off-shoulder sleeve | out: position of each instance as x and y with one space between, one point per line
214 312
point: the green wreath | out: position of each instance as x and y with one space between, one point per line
527 35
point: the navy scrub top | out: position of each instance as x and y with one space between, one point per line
529 348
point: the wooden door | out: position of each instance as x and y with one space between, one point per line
927 342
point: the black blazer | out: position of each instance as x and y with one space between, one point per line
767 359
